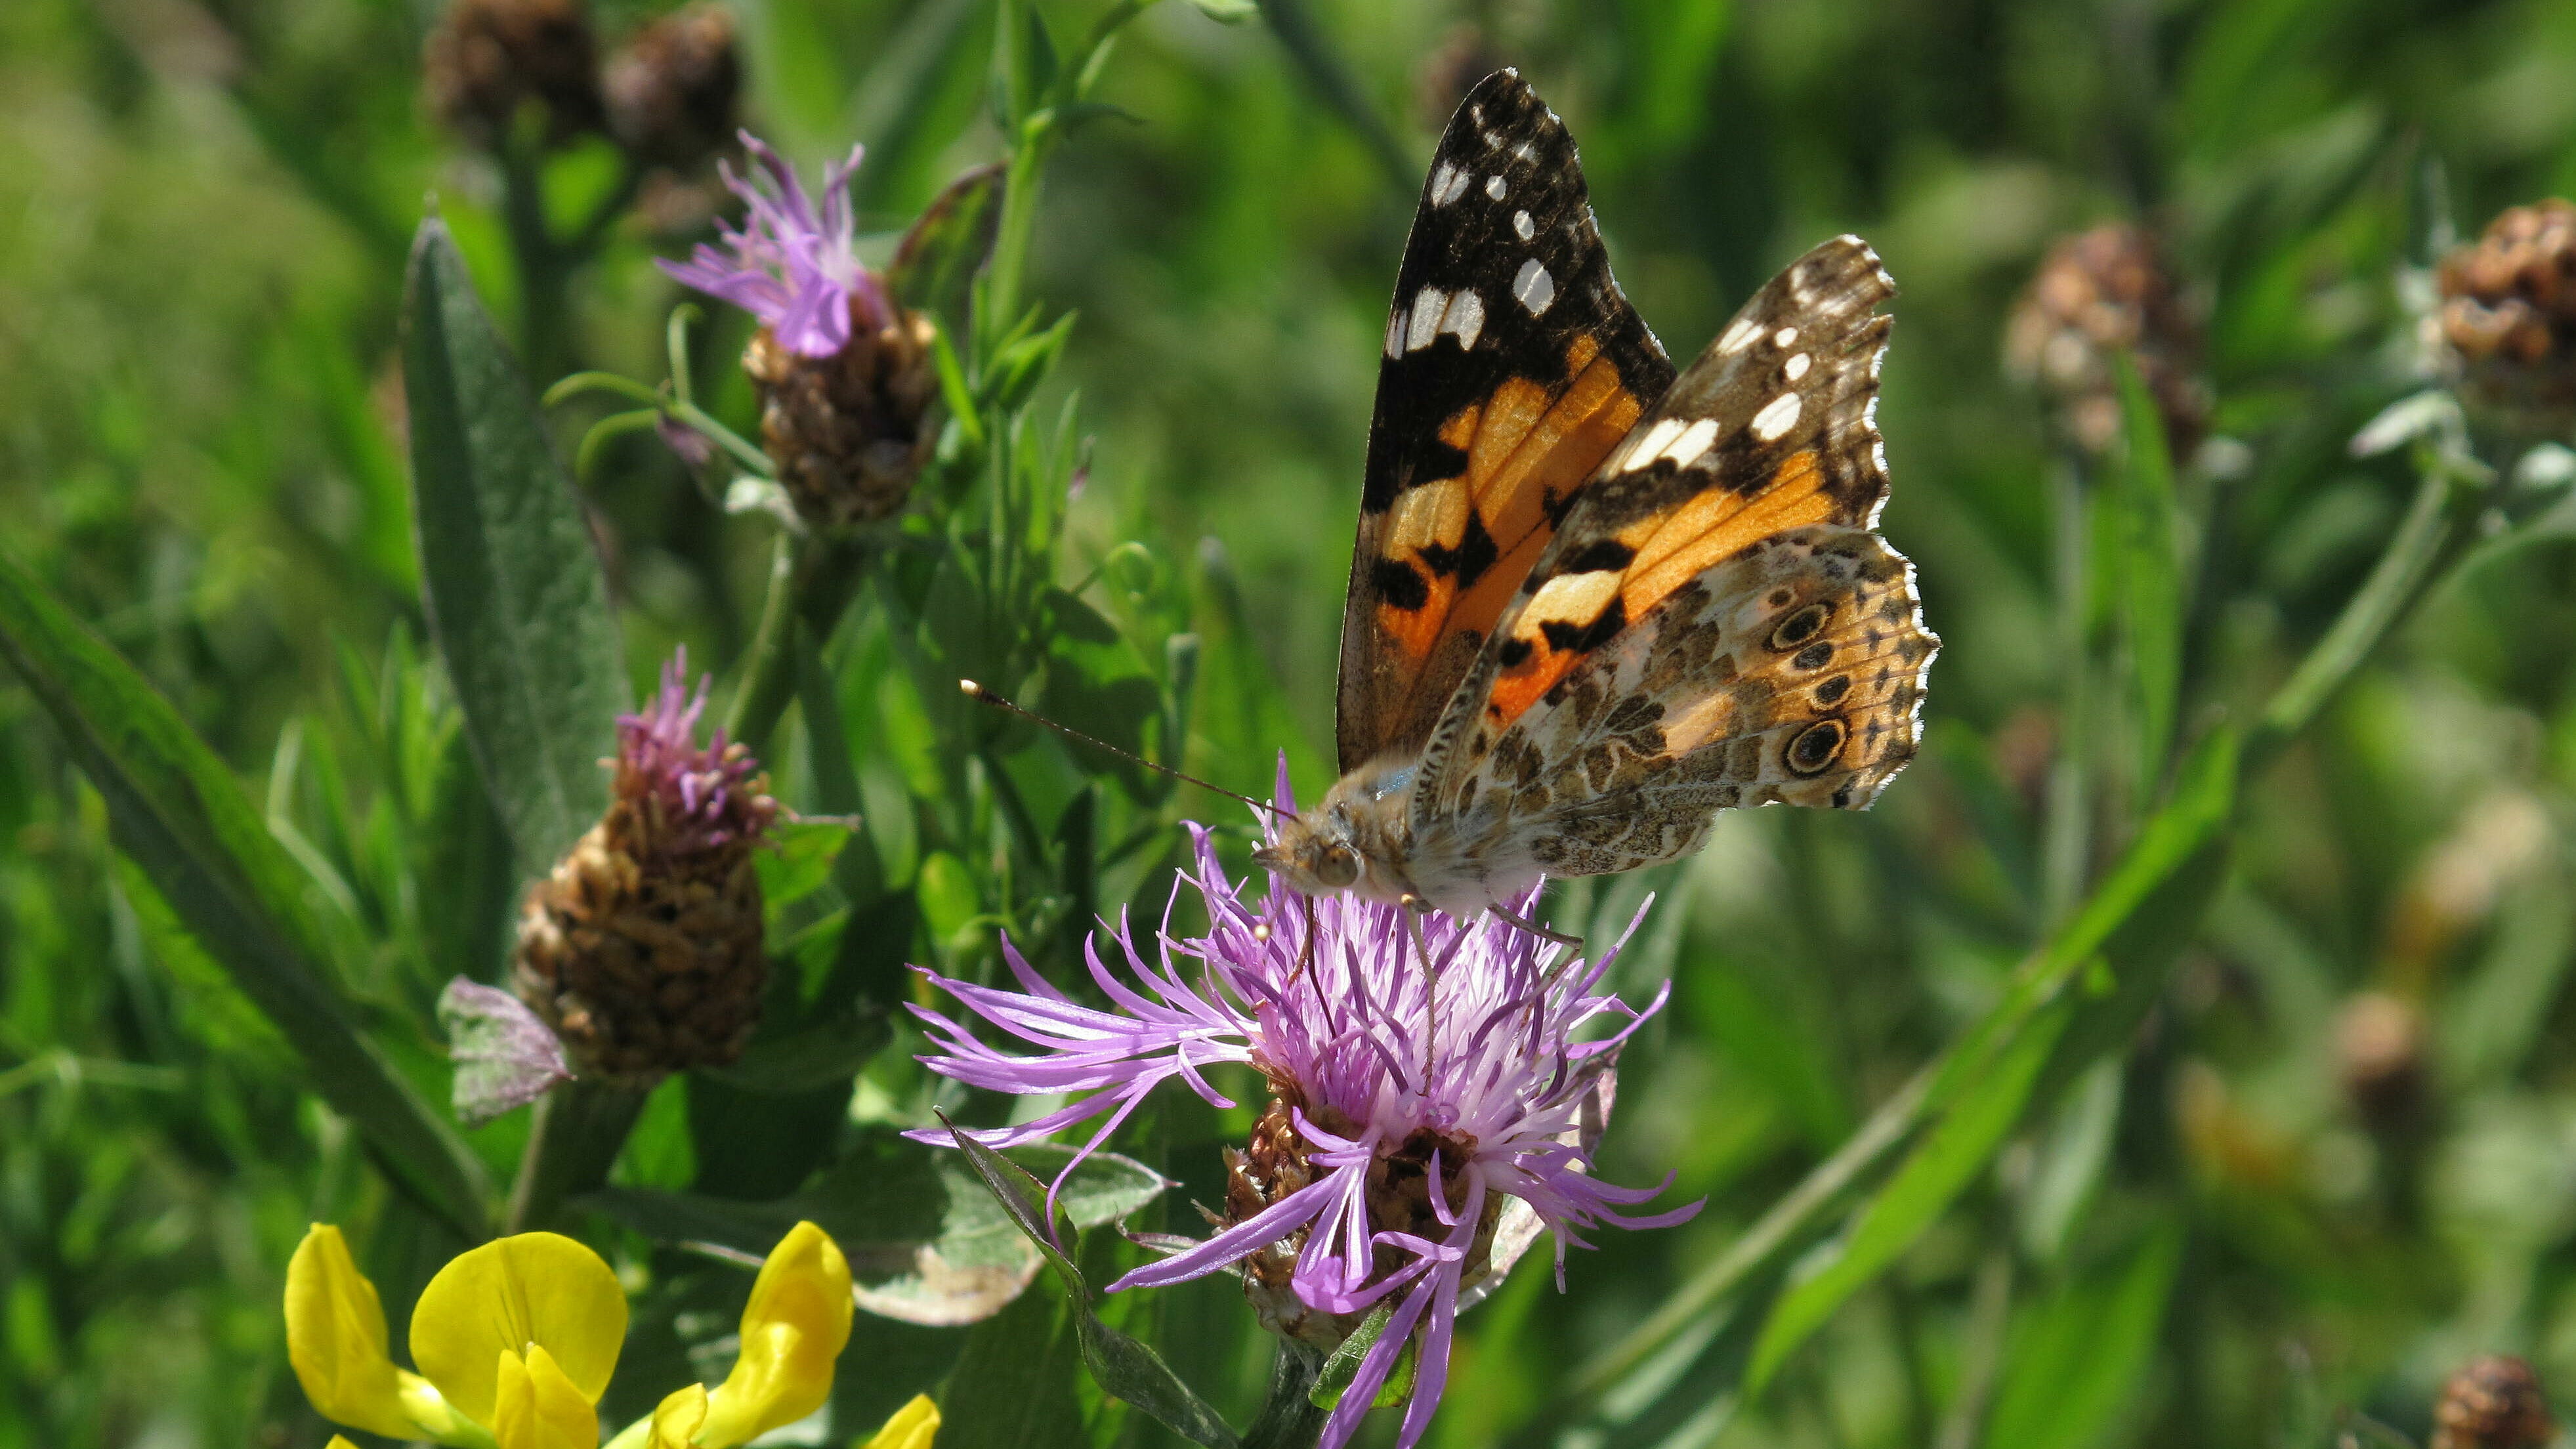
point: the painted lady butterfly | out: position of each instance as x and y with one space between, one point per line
1593 604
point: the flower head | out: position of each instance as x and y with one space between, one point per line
1410 1107
792 267
643 947
517 1339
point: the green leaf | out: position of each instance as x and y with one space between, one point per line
1981 1093
1334 1380
934 268
2073 1366
2150 574
1226 12
177 812
1122 1366
515 593
801 862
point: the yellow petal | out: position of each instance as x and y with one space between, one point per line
535 1288
795 1325
335 1338
911 1427
339 1441
676 1422
535 1406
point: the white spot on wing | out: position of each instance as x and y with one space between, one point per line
1797 366
1685 450
1494 187
1523 226
1777 417
1428 305
1650 446
1784 336
1395 333
1534 287
1446 183
1465 318
1739 336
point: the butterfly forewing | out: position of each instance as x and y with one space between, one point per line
1712 625
1512 366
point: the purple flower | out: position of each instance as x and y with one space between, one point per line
792 268
1409 1108
693 798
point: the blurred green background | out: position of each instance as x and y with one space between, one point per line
2339 1156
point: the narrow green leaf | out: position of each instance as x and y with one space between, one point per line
2150 575
2075 1363
1122 1366
946 245
177 812
1915 1198
513 584
1226 12
1334 1379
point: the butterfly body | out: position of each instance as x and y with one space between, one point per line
1594 602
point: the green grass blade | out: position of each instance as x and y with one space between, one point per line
179 814
2151 582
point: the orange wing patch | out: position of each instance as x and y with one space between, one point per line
1471 540
1616 580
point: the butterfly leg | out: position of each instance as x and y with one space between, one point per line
1306 951
1412 908
1535 929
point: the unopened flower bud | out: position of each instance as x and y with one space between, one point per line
847 432
672 91
643 948
487 59
2492 1403
2508 315
2097 295
2379 1052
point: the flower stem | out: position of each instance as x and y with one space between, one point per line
579 1128
1288 1417
810 587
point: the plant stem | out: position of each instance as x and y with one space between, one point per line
579 1128
1288 1418
809 587
2066 833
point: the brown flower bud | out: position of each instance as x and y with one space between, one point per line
2379 1054
486 59
2492 1403
672 91
643 949
849 433
2099 294
2508 315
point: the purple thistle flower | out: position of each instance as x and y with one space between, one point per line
1409 1109
793 268
695 799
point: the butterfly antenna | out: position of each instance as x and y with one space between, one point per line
981 695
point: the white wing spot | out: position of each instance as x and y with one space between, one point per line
1522 226
1739 336
1465 318
1784 336
1534 287
1494 187
1395 333
1685 450
1428 305
1525 150
1797 365
1493 140
1777 417
1646 449
1446 183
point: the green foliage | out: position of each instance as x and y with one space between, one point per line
2032 1108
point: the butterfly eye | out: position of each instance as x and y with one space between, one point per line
1815 747
1337 868
1800 627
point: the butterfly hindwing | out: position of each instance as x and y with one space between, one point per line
1512 365
1713 624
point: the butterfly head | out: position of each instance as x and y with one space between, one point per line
1351 841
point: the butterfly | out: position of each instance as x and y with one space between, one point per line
1592 602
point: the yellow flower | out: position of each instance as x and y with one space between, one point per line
792 1330
515 1341
912 1427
